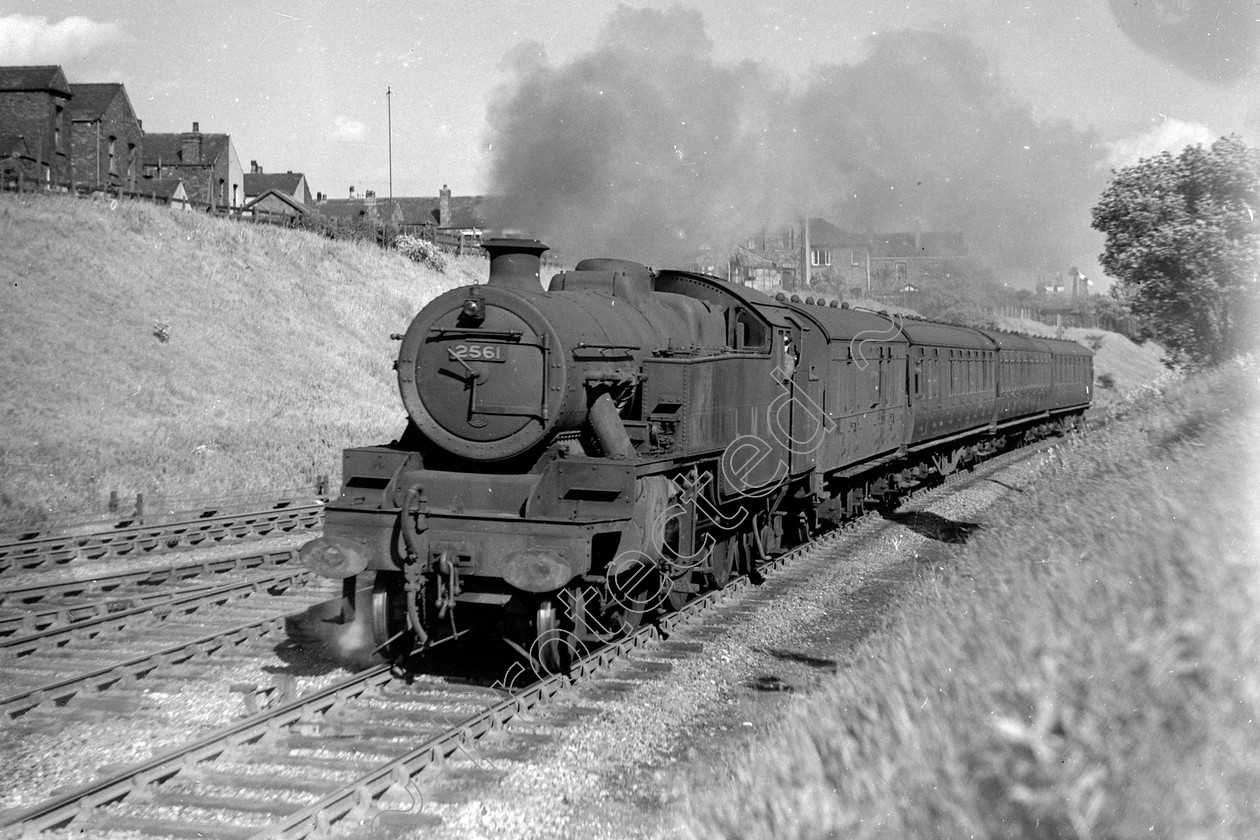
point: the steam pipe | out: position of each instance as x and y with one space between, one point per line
609 431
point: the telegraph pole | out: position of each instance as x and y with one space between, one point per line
389 123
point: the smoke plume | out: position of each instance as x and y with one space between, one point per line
1215 41
648 148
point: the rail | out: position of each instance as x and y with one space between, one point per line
102 804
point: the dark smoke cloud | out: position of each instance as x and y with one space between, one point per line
1216 41
647 148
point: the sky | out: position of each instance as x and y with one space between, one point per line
655 128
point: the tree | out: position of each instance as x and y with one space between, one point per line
1184 242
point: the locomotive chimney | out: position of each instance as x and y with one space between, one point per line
515 263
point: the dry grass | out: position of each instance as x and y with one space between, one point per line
1092 671
188 357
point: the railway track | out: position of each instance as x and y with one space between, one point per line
92 587
328 759
61 630
382 732
38 550
60 691
48 622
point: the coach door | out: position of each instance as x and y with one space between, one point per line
803 353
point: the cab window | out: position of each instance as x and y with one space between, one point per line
747 332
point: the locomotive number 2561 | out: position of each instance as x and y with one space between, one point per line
489 352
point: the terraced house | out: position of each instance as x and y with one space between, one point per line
35 123
106 139
206 163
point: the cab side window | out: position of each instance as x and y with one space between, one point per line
746 332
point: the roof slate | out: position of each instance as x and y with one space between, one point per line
91 99
163 187
166 148
467 211
287 182
42 77
284 198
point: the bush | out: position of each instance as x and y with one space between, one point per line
425 253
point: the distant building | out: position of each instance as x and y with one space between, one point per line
207 164
274 203
169 191
829 259
293 184
107 137
454 221
35 105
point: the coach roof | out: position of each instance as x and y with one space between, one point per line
839 324
1016 341
943 335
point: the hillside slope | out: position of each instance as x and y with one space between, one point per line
184 356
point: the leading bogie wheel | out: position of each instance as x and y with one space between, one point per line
721 561
551 642
391 636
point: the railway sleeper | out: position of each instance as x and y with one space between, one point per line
157 827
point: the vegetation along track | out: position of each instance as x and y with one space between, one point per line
330 757
34 550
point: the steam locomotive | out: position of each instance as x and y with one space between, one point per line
578 458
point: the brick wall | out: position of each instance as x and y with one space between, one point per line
91 145
33 114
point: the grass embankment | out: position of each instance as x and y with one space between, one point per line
1091 670
187 357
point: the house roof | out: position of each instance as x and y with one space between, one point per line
42 77
758 259
92 99
166 148
284 198
467 211
823 233
259 183
162 187
931 244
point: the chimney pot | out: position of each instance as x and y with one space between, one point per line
444 207
196 126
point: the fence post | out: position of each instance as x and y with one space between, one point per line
140 506
113 501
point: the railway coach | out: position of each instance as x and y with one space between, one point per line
576 459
